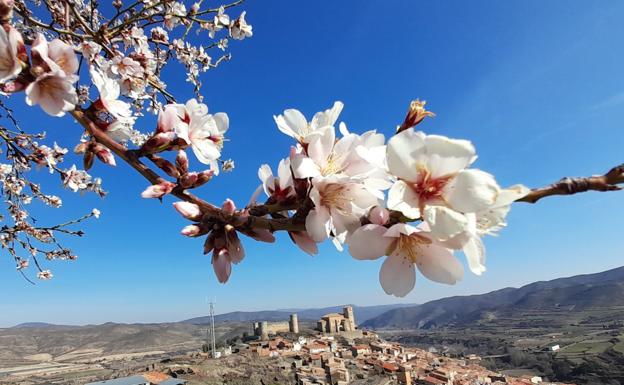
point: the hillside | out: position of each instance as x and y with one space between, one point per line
605 289
362 314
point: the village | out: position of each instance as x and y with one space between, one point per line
331 352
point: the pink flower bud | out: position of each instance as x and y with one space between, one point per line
166 166
193 231
228 207
158 190
182 162
188 210
158 142
87 160
104 154
221 265
81 148
203 177
189 180
379 215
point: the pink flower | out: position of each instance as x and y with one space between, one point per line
10 65
54 66
158 190
407 247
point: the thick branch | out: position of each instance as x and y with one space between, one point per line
569 186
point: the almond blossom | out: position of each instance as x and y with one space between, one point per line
54 66
358 156
10 65
199 129
294 124
339 202
109 97
432 171
407 247
278 188
239 29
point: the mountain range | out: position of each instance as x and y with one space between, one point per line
362 314
581 292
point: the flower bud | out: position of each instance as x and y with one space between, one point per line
203 177
194 231
87 160
157 143
81 148
182 162
188 210
228 207
166 166
104 154
189 180
379 215
415 114
158 190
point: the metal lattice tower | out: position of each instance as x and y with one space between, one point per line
213 343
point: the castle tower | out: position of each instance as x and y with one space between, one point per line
264 330
294 323
348 314
256 328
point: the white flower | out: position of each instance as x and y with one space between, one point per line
44 275
431 171
339 202
175 12
293 123
96 213
54 91
54 67
406 247
278 187
360 157
10 65
109 94
468 228
239 29
202 131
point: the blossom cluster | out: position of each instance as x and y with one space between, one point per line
359 185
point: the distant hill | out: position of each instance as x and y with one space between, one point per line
578 292
362 314
33 325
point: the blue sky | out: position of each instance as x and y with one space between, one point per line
537 86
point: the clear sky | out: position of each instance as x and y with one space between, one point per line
537 86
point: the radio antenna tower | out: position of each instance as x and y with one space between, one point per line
213 344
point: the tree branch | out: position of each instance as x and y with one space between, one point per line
569 186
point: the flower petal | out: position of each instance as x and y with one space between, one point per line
475 254
404 151
368 242
402 198
317 224
471 191
438 264
445 223
221 265
397 276
304 241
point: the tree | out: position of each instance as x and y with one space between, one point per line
414 198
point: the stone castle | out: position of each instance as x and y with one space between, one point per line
329 323
336 322
264 329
